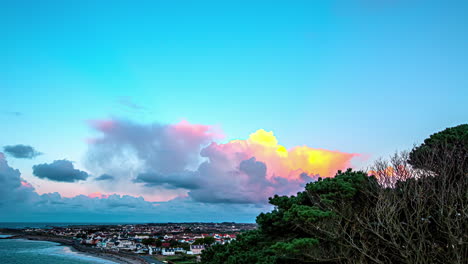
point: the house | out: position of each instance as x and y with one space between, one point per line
179 250
110 243
101 244
126 244
155 250
197 249
168 252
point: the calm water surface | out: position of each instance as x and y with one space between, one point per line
19 251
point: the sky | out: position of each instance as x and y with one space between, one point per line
153 111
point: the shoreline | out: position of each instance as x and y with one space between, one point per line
118 257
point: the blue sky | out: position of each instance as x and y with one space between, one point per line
358 76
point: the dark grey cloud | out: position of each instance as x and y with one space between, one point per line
105 177
12 186
186 180
19 203
232 181
21 151
219 180
59 170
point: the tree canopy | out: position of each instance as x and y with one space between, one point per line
448 148
399 212
204 241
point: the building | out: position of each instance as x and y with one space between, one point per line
197 249
168 252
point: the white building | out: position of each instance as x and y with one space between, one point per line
168 252
197 249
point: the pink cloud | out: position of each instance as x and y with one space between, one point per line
98 195
26 184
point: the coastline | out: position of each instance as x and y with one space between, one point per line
118 257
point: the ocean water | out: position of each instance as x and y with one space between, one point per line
18 225
19 251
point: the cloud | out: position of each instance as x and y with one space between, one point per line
19 202
98 195
105 177
12 186
185 180
162 149
250 171
185 157
129 103
21 151
59 170
288 163
13 113
230 177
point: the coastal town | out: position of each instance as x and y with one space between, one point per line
139 243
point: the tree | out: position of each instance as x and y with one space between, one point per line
443 151
411 209
204 241
158 242
300 228
199 241
148 241
209 240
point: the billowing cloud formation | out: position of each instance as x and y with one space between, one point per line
240 171
237 177
284 163
160 148
21 151
19 202
105 177
59 170
12 186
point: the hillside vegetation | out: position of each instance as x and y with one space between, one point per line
412 208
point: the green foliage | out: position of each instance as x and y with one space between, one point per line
303 213
351 218
158 243
148 241
284 235
204 241
175 243
250 247
435 153
209 240
295 247
199 241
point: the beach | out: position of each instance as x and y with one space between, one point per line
116 257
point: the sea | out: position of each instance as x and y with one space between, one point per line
19 225
21 251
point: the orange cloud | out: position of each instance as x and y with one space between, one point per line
289 164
